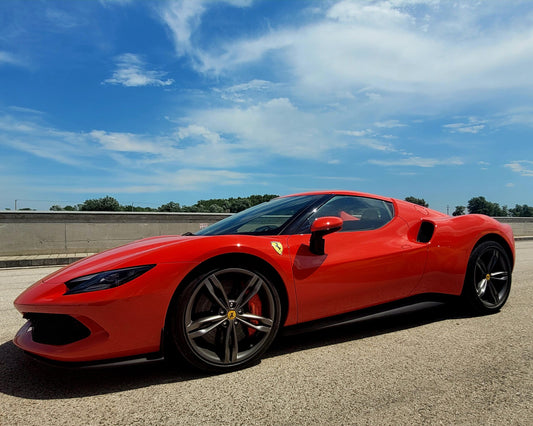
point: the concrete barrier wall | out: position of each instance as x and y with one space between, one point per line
522 226
38 233
30 233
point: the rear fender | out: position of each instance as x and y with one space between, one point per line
450 246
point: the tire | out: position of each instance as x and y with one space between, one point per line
225 319
488 278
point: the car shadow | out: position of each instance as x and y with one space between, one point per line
24 377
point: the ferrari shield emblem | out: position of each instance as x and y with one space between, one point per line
278 247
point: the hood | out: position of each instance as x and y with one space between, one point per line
132 254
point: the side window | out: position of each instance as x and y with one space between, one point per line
357 213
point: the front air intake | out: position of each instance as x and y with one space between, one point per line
56 329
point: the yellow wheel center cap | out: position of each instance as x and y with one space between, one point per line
487 277
232 315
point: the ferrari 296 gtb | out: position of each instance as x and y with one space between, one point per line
217 298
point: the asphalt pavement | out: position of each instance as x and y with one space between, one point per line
431 366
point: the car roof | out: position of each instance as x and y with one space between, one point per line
342 192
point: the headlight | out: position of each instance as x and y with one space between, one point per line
105 280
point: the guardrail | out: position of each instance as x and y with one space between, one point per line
42 233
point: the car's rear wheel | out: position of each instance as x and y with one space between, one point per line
488 278
225 319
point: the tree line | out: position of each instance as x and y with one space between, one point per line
215 205
477 205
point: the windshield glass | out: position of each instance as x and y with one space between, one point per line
264 219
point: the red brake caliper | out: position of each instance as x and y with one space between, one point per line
254 305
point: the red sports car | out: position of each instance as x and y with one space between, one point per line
217 298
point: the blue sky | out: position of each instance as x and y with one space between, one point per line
154 101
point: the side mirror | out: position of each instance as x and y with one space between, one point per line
320 227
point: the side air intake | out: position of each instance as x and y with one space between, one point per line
425 233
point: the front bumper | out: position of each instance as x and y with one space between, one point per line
120 322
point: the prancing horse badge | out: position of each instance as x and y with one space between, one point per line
278 247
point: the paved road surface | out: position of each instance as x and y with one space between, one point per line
434 366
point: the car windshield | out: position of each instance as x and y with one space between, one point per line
264 219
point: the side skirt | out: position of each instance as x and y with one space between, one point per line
413 303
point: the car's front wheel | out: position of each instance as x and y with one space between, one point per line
225 319
488 278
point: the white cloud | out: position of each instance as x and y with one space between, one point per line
64 147
389 124
376 145
9 58
483 165
198 131
183 18
240 92
275 127
244 52
193 145
464 128
517 116
418 162
25 110
131 72
362 139
473 126
62 19
355 133
191 158
251 85
524 168
335 55
423 48
380 14
187 146
128 142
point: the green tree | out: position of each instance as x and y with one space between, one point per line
58 208
132 208
215 205
521 211
505 212
170 207
216 208
107 204
419 201
479 205
227 205
239 204
459 211
258 199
